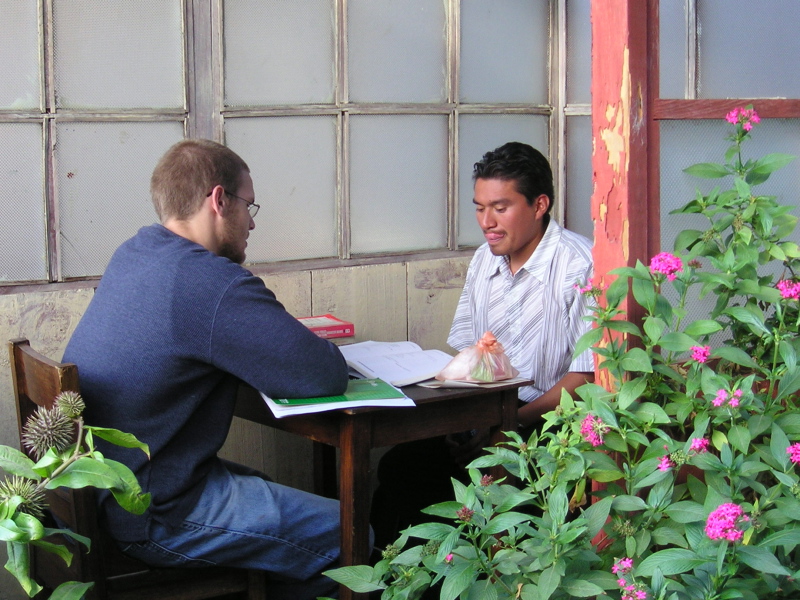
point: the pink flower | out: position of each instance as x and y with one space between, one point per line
794 453
721 398
665 464
699 445
701 353
666 264
593 429
448 558
622 567
745 117
735 397
789 289
723 523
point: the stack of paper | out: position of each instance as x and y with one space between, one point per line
360 392
399 363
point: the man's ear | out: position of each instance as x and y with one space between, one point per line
542 203
216 200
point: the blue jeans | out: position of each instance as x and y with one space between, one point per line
244 520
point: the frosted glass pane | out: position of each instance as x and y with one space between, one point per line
578 213
20 40
397 50
748 50
672 44
278 52
504 51
398 183
103 186
579 52
23 236
292 162
477 135
124 54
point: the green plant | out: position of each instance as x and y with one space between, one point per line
676 476
66 457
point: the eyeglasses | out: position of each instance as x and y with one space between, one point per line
252 207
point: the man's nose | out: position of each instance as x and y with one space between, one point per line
486 219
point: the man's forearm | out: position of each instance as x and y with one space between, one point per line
532 412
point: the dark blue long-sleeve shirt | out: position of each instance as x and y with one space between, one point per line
161 349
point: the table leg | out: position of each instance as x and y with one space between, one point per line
354 496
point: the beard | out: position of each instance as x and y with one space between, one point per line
228 248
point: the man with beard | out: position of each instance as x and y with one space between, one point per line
175 326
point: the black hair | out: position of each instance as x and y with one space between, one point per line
521 163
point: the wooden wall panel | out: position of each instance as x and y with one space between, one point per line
434 287
372 297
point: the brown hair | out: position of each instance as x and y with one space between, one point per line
188 172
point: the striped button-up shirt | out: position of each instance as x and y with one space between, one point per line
537 314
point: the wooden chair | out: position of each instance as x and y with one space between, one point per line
37 381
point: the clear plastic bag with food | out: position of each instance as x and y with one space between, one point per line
484 362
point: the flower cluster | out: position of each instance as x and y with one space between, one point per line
464 514
665 464
630 590
725 521
699 445
593 429
724 397
745 117
789 289
700 353
590 289
666 264
794 453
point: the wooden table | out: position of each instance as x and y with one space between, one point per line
356 431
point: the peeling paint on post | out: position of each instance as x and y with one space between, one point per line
623 223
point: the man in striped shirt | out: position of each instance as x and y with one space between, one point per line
521 286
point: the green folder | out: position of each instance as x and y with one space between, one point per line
357 389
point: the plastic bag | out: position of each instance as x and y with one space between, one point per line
484 362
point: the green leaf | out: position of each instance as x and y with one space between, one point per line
587 340
677 342
549 581
686 512
630 391
580 588
86 472
358 578
504 521
650 412
71 590
16 463
430 531
671 561
667 536
707 170
18 565
686 239
739 438
637 360
129 496
596 515
745 316
736 356
786 537
461 577
57 549
703 327
770 163
761 559
119 438
628 503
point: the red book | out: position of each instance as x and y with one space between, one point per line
328 326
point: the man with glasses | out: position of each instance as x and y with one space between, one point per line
175 326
